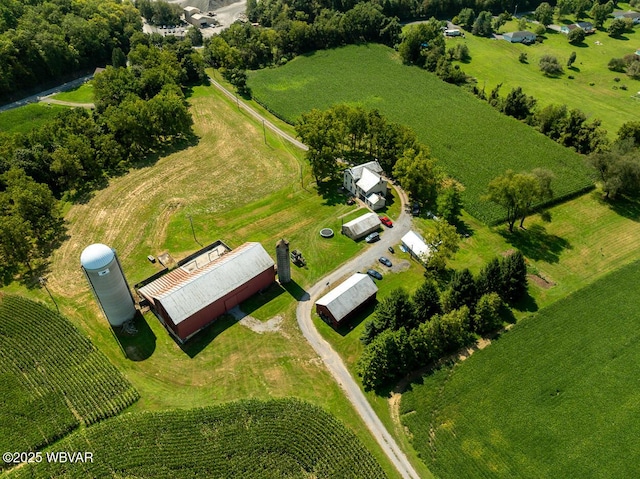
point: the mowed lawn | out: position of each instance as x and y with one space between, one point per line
592 88
473 142
558 396
82 94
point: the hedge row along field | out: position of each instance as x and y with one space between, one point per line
279 439
52 379
474 142
558 396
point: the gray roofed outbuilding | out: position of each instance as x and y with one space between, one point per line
347 298
197 297
361 226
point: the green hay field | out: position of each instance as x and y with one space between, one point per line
474 142
558 396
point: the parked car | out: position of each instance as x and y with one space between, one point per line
374 274
386 221
415 211
391 250
385 261
373 237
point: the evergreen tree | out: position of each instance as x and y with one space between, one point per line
514 277
462 291
490 278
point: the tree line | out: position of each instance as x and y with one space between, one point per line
139 109
410 332
41 41
293 32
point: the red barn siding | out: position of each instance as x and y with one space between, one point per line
210 313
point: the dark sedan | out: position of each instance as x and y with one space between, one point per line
385 261
374 274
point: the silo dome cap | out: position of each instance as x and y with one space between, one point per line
96 256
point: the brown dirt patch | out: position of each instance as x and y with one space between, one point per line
540 281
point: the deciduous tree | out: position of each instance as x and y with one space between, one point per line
419 175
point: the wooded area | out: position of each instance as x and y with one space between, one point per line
41 41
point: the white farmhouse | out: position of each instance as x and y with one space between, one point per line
366 183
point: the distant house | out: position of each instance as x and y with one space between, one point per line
196 18
366 180
520 37
416 246
361 226
347 299
635 16
586 26
567 28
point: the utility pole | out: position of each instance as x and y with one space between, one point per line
43 282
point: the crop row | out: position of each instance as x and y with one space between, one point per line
279 439
51 362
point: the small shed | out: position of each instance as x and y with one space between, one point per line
416 246
347 299
520 37
361 226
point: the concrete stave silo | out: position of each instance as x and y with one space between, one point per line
108 283
283 262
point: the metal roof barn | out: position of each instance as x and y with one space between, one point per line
347 298
102 269
187 299
361 226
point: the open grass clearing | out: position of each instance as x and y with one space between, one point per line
592 88
228 174
555 397
473 142
82 94
26 118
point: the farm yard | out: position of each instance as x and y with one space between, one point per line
593 88
555 397
457 127
147 211
53 378
245 439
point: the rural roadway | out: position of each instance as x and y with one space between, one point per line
362 262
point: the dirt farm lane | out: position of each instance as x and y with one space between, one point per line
390 237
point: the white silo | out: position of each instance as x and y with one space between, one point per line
102 269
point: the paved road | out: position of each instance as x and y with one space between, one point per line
53 101
390 237
36 98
